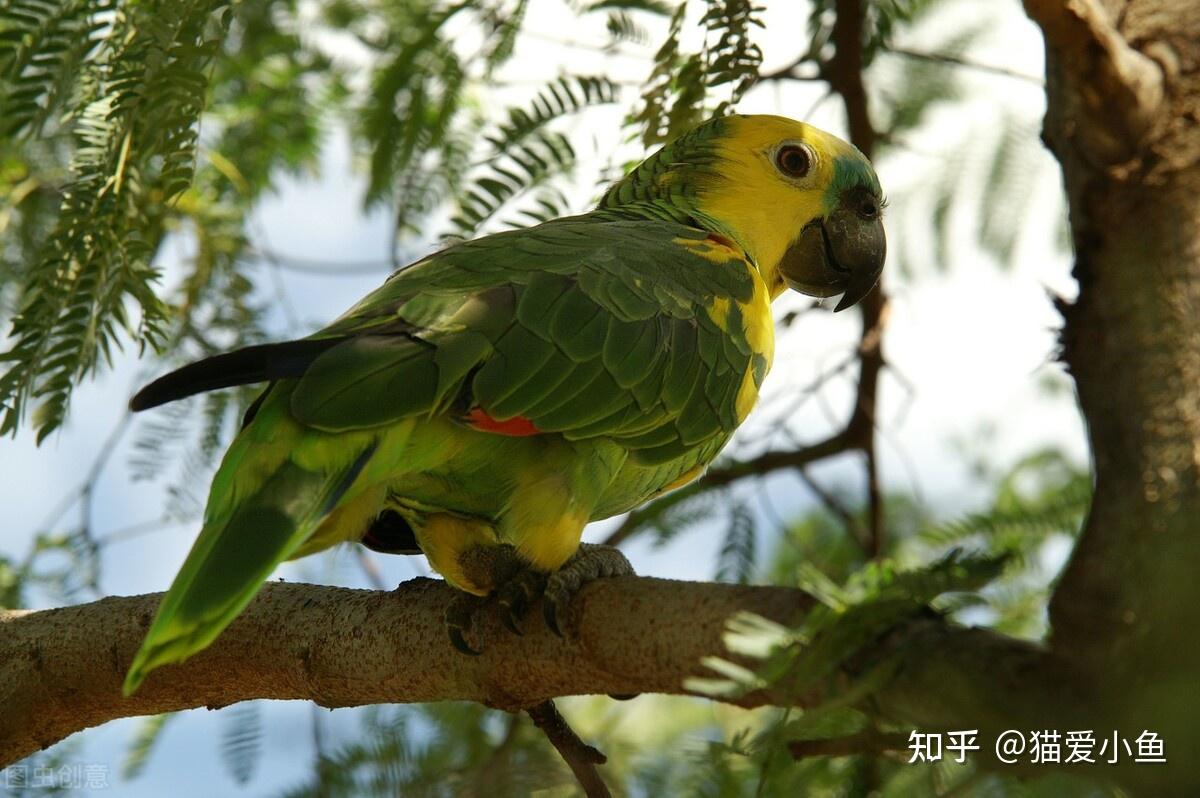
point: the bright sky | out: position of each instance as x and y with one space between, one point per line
971 345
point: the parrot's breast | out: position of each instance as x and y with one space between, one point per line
637 483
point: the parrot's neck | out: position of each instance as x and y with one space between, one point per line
682 213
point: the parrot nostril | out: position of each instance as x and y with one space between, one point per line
863 203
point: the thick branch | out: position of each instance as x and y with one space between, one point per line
61 669
1131 342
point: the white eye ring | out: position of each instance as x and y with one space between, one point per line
794 160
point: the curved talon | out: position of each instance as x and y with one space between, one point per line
458 618
516 597
550 612
560 589
459 642
510 612
591 562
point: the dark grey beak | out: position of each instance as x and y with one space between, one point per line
840 254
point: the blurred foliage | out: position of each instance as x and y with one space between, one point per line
128 86
447 749
680 84
138 754
126 125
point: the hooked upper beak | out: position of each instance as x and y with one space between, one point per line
841 253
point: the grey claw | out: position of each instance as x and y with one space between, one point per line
550 613
459 642
509 613
460 616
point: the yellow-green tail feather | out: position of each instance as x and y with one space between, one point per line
234 555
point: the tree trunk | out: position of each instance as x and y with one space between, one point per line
1123 90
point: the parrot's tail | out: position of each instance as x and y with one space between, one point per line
260 363
234 555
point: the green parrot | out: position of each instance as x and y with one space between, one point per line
484 404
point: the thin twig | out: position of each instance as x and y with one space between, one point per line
575 44
845 72
318 740
81 491
875 518
579 756
719 477
835 506
139 528
789 72
323 268
484 780
959 61
868 742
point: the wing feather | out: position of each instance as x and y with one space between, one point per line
587 326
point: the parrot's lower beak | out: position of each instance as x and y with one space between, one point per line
842 253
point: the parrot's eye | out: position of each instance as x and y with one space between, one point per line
793 160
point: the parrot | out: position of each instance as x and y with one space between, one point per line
487 402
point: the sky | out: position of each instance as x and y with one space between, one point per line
971 343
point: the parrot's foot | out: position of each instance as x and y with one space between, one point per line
518 591
556 590
593 561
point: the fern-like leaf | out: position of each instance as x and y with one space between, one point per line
145 738
736 560
241 740
135 148
681 84
524 154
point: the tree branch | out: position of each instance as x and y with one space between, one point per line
845 74
579 756
61 669
949 59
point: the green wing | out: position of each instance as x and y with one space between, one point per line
580 327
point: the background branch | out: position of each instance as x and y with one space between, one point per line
579 756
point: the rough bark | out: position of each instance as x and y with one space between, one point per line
1123 85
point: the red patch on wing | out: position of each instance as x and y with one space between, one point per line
515 427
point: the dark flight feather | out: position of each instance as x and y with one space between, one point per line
261 363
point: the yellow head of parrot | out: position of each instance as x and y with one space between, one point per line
806 205
803 204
